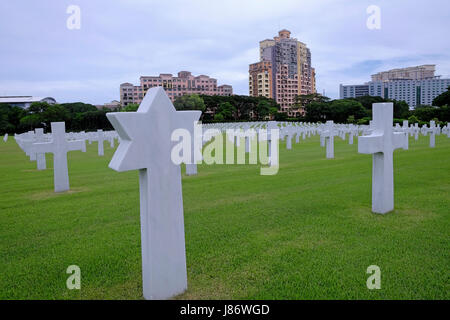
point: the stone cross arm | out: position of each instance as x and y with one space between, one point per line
75 145
376 142
43 147
370 144
146 134
50 147
400 140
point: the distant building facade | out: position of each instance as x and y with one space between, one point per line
261 79
113 105
422 72
414 85
353 91
184 83
284 71
24 101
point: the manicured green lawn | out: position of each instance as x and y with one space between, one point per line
305 233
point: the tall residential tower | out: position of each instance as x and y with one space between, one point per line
284 71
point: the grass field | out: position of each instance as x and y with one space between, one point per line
305 233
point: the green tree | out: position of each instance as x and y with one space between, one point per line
219 117
367 102
442 99
38 107
78 107
317 111
401 109
281 116
5 125
420 106
426 113
227 110
443 113
190 102
264 109
130 107
14 116
413 119
54 113
304 100
31 121
351 119
341 109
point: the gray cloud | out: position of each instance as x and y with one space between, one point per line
121 40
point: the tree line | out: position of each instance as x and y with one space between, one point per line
228 108
78 116
317 108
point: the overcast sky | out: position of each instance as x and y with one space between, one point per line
120 40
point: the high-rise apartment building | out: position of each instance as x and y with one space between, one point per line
414 85
284 71
261 79
185 83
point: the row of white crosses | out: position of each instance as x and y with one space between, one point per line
146 146
235 132
26 141
100 137
59 146
432 130
446 130
36 144
289 130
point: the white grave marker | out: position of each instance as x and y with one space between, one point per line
59 146
146 146
100 138
432 131
40 156
381 144
329 139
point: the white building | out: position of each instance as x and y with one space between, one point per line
413 92
24 101
353 91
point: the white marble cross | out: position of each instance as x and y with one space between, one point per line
40 156
416 131
289 136
328 135
100 138
146 146
381 144
405 129
271 125
432 131
27 143
351 133
446 130
59 146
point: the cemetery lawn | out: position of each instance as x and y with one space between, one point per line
305 233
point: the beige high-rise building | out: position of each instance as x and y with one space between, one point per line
284 71
260 79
